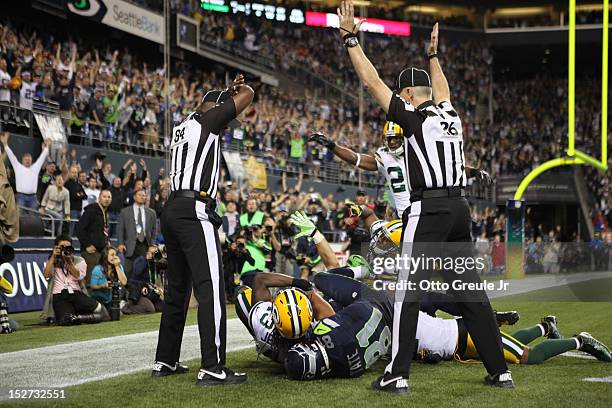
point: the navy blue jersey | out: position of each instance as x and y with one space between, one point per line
354 338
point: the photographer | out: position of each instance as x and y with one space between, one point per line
70 303
103 275
281 242
250 250
143 295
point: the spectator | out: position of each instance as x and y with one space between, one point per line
137 225
231 221
498 256
144 296
26 173
5 78
119 201
93 230
252 216
27 90
103 275
550 259
92 191
46 178
77 195
56 203
159 200
66 272
535 252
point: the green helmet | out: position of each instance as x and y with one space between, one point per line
356 260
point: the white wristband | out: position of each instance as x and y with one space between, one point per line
317 238
358 160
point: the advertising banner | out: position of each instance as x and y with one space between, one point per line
25 273
122 16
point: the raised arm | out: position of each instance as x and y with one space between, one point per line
363 161
9 153
307 228
439 84
364 68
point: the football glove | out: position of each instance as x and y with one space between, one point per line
304 224
429 357
354 210
323 140
484 178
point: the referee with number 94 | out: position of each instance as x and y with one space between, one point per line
189 224
439 213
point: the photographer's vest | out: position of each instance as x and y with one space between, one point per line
256 219
258 256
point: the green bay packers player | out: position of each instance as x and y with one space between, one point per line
447 339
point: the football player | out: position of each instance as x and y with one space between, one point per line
447 339
389 161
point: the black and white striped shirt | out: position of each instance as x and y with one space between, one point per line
433 143
196 149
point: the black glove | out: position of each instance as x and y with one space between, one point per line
484 178
429 357
301 284
323 140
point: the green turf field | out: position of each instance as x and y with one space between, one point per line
556 383
37 336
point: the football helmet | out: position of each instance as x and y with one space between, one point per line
386 240
307 361
393 130
292 313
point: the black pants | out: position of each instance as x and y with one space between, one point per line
140 249
431 223
65 303
194 259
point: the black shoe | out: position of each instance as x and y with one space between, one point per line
162 369
390 383
552 332
501 380
224 376
594 347
507 318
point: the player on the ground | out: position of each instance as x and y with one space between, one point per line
389 161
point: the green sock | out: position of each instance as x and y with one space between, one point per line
550 348
529 334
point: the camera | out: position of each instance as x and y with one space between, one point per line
66 251
115 309
161 258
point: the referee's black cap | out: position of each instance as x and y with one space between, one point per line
411 77
217 96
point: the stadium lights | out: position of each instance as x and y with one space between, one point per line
519 11
214 5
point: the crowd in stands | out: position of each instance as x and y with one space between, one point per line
115 97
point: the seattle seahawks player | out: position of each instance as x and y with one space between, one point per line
389 161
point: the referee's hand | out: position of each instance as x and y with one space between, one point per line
321 139
484 178
433 42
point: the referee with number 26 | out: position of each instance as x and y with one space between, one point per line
189 224
439 214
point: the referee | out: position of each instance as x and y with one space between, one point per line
189 225
439 212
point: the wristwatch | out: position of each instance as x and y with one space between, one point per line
351 42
